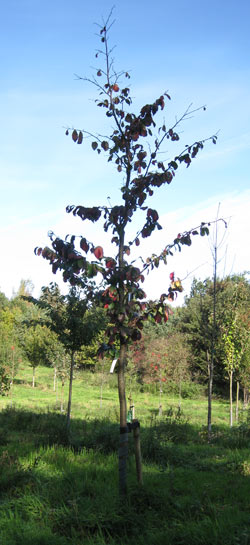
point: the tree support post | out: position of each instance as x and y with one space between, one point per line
137 440
135 426
237 402
231 398
70 393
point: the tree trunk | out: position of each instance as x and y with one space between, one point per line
123 445
231 397
210 390
136 433
54 387
56 392
70 391
245 396
237 402
101 390
210 359
62 396
12 380
160 400
33 377
101 396
180 393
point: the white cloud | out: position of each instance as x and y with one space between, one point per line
197 261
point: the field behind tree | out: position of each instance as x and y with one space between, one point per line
55 493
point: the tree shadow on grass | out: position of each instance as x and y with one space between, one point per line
71 485
159 435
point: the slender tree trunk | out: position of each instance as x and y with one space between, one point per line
136 433
62 395
180 393
211 359
101 390
160 401
123 442
33 377
231 397
70 391
210 390
245 397
123 445
237 402
12 380
54 387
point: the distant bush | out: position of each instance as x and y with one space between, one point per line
192 390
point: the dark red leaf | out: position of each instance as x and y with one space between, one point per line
98 252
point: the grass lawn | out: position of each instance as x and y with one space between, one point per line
53 493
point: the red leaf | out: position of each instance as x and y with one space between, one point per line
110 263
98 252
165 315
80 138
105 145
158 318
84 245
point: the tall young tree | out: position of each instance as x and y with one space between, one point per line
71 320
232 347
34 346
235 333
216 245
142 170
10 352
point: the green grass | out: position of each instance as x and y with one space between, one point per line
86 398
53 493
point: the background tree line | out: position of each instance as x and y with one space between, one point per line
64 331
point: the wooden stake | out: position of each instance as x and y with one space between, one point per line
136 433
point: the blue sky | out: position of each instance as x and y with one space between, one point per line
199 52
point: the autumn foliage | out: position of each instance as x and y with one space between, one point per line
142 172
